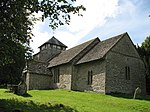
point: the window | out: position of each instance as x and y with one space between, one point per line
54 46
127 72
42 47
90 77
58 47
46 45
56 75
63 48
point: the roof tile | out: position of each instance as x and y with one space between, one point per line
101 49
54 41
68 55
97 52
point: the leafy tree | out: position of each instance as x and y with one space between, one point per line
146 45
144 51
16 23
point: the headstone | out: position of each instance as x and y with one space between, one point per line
22 88
137 92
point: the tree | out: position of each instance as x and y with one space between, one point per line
146 45
16 22
144 52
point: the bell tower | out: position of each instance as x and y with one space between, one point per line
49 49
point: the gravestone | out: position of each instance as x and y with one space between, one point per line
22 88
137 93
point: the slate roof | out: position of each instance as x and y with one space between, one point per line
68 55
97 52
101 49
54 41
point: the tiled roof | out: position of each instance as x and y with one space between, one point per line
54 41
101 49
68 55
97 52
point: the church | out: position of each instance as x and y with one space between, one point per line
109 66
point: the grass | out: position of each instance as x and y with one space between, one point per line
70 101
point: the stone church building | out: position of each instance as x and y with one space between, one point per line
109 66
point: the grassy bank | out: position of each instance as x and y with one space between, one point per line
70 101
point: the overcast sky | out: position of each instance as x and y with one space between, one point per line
103 19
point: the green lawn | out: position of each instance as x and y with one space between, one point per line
70 101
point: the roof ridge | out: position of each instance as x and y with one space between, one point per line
101 49
115 36
86 48
84 43
54 41
120 37
70 54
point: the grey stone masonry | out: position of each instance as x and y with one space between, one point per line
38 76
80 81
38 81
109 66
65 72
121 56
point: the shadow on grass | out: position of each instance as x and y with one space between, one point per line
26 95
13 105
138 97
119 95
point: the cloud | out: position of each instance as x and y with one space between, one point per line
39 37
96 14
131 18
67 38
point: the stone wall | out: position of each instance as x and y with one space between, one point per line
46 54
122 55
80 78
38 81
38 67
64 77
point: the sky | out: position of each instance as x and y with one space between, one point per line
103 19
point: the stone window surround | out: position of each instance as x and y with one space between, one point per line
56 75
90 77
127 72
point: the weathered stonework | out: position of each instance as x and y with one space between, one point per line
122 55
64 77
38 81
38 75
46 54
105 63
81 77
